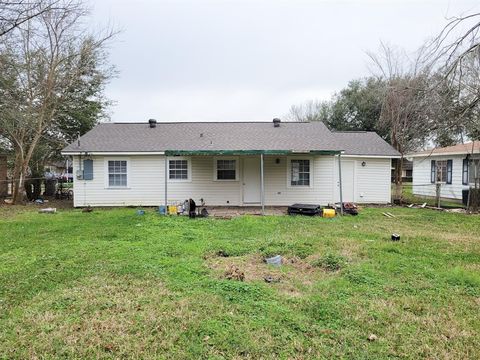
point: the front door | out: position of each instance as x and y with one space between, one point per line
251 180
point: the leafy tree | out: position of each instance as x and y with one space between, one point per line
52 75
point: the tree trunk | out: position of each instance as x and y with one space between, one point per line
398 180
18 178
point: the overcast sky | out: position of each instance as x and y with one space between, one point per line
195 60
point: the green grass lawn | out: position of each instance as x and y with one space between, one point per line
409 197
112 284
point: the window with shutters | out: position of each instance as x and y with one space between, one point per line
441 171
117 173
474 171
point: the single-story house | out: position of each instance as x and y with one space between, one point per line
455 168
228 164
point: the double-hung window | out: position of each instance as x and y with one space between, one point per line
444 171
117 173
178 169
300 172
226 169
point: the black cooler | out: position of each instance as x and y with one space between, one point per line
304 209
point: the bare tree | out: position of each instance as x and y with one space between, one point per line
405 107
42 63
456 53
14 13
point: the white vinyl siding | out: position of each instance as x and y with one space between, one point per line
146 176
422 177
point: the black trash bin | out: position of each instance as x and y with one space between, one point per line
465 193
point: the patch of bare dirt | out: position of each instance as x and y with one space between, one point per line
293 277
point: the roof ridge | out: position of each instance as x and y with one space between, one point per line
207 122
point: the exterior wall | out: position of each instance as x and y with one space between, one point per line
421 177
146 182
371 182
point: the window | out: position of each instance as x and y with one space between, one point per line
117 173
226 169
441 171
178 169
300 172
474 171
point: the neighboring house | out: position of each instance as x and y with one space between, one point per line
454 167
228 164
60 169
407 170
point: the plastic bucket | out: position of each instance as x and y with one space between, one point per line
328 213
275 261
161 210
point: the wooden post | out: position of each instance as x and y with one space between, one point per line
262 184
438 194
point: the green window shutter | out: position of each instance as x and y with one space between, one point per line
87 169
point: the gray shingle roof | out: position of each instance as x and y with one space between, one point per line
364 143
209 136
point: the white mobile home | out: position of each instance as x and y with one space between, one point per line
228 164
455 168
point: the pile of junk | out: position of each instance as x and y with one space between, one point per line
328 211
188 207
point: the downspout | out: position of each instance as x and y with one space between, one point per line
340 182
262 184
166 186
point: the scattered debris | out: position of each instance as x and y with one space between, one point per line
423 205
395 237
222 253
270 279
39 201
275 260
388 215
458 211
140 212
372 337
87 209
234 273
411 205
48 210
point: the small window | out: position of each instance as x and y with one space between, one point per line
178 169
300 173
474 171
226 169
117 173
442 171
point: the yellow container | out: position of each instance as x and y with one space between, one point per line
172 209
328 213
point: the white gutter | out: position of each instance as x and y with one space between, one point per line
428 154
373 156
110 153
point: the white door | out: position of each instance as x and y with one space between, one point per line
251 180
348 181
